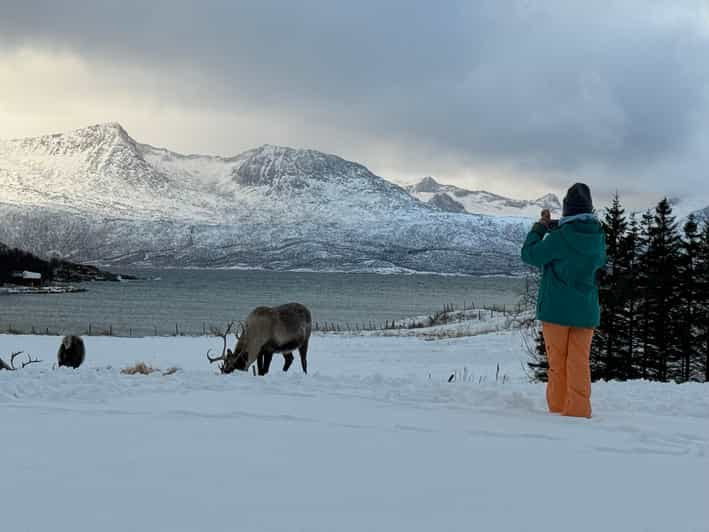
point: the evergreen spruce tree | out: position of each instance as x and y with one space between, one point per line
702 369
644 321
630 288
606 355
689 311
661 294
539 365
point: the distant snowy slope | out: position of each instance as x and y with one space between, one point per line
703 213
682 207
96 194
451 198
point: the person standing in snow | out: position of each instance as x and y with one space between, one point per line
569 255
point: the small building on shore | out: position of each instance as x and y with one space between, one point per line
27 278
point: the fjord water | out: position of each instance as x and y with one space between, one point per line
192 300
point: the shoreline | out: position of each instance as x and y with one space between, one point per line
381 271
44 290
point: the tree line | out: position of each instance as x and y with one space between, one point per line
13 260
52 270
654 296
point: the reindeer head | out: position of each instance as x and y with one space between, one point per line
231 360
236 360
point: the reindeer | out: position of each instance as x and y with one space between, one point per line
269 330
71 352
11 365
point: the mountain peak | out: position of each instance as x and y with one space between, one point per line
105 130
444 202
270 164
111 126
90 139
427 184
278 151
274 149
550 201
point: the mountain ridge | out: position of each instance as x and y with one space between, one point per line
429 190
96 194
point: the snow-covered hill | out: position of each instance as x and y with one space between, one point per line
454 199
95 194
374 438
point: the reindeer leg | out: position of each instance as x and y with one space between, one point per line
259 363
303 357
287 360
267 357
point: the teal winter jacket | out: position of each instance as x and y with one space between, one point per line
569 257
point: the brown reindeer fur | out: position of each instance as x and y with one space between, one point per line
270 330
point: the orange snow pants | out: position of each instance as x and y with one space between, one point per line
569 380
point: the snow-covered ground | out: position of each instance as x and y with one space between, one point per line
374 438
453 324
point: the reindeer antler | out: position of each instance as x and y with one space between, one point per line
216 332
215 358
12 359
30 360
13 356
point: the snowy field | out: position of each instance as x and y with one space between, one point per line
374 438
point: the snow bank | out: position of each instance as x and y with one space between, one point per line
375 438
452 324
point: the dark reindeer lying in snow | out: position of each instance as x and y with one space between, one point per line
268 330
71 352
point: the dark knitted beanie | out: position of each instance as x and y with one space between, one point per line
577 200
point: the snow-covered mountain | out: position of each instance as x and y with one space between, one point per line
95 194
454 199
682 207
702 214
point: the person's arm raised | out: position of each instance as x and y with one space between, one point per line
537 250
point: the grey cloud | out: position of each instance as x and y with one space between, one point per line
607 90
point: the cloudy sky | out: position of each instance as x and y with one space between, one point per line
518 97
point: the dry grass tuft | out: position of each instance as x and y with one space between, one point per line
141 368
